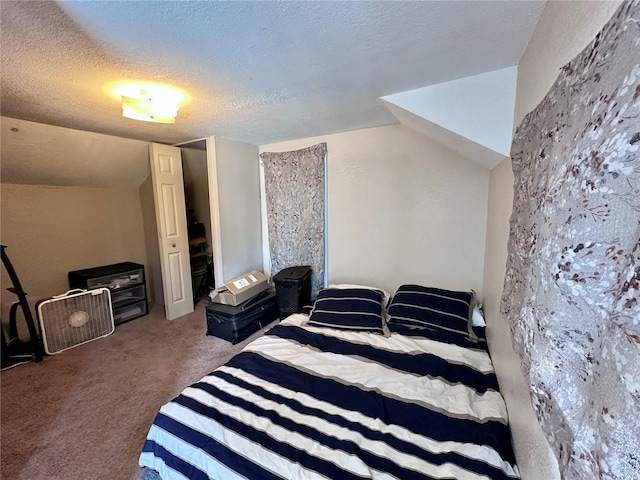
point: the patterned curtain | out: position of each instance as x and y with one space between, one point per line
294 184
573 270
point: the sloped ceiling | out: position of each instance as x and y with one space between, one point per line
472 116
256 72
40 154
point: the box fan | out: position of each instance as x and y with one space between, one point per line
74 318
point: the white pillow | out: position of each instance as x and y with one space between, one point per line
477 319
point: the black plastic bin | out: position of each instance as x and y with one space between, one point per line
293 289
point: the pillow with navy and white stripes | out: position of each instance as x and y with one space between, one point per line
357 309
419 307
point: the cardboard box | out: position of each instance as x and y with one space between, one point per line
242 288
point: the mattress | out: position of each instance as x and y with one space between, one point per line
305 402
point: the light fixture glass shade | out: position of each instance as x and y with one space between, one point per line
149 109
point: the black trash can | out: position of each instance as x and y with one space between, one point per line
293 289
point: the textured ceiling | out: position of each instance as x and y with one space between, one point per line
39 154
258 72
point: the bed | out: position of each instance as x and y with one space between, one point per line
356 389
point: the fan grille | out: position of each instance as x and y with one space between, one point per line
75 319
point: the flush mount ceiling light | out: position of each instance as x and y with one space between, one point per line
149 109
149 103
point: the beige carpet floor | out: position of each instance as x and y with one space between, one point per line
85 413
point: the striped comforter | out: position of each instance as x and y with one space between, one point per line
317 403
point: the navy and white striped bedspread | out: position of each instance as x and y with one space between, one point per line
316 403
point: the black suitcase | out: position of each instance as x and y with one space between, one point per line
234 324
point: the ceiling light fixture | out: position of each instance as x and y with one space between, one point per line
149 102
149 108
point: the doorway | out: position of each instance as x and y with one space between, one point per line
196 189
231 183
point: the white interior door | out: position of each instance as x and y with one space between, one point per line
171 217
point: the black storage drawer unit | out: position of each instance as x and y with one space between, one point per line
235 323
125 282
293 287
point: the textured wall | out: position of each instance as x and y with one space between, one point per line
238 187
564 29
534 457
572 283
401 208
52 230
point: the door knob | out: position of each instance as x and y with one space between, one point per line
173 245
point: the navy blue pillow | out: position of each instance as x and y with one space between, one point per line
356 309
418 307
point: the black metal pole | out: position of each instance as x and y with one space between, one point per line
36 343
